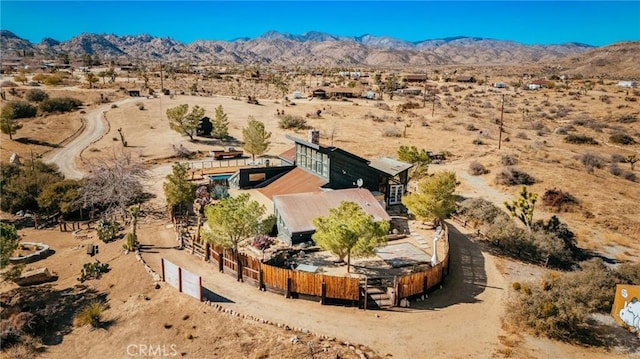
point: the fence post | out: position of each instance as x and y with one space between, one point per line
366 289
396 286
221 262
324 293
289 285
206 252
260 279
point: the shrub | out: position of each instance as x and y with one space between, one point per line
558 199
92 315
510 176
60 104
629 118
293 122
580 140
93 271
107 230
391 132
477 141
615 170
476 169
53 80
36 95
617 158
622 139
591 161
18 109
630 176
470 127
508 160
262 242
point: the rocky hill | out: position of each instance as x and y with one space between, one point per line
322 49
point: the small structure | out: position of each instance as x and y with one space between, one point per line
628 84
468 79
533 86
297 95
15 159
134 93
319 93
500 85
416 78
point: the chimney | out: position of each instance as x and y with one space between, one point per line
314 136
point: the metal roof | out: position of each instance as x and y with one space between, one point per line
289 155
297 180
389 165
298 210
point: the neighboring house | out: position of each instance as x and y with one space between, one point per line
628 84
468 79
533 86
295 212
542 83
411 91
342 92
500 85
416 78
319 93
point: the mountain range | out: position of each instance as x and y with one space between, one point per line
311 49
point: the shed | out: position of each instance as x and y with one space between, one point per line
134 93
628 84
466 79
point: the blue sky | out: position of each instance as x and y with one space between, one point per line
531 22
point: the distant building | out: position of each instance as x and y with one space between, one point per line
500 85
416 78
628 84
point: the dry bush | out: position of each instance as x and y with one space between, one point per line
383 106
590 123
558 199
580 140
508 160
617 158
391 132
509 176
470 127
591 161
622 139
92 315
476 169
522 136
615 170
628 118
560 306
630 176
288 122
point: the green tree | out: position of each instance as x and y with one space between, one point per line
349 231
86 60
522 208
231 221
112 74
183 122
21 190
220 124
9 241
434 198
62 196
420 159
91 79
8 122
256 138
177 188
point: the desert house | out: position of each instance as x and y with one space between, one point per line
467 79
500 85
415 78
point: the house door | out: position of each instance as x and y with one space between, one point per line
395 194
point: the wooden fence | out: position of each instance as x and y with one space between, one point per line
293 283
203 165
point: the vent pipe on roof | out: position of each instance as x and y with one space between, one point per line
314 136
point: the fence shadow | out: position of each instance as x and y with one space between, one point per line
467 277
214 297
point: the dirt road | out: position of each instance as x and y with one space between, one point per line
95 128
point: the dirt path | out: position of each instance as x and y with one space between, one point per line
431 328
95 128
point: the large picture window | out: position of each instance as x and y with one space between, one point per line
313 160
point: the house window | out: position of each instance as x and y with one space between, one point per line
313 160
395 194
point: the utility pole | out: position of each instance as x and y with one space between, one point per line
161 79
501 117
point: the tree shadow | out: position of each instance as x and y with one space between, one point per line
467 275
51 311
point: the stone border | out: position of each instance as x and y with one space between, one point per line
43 252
